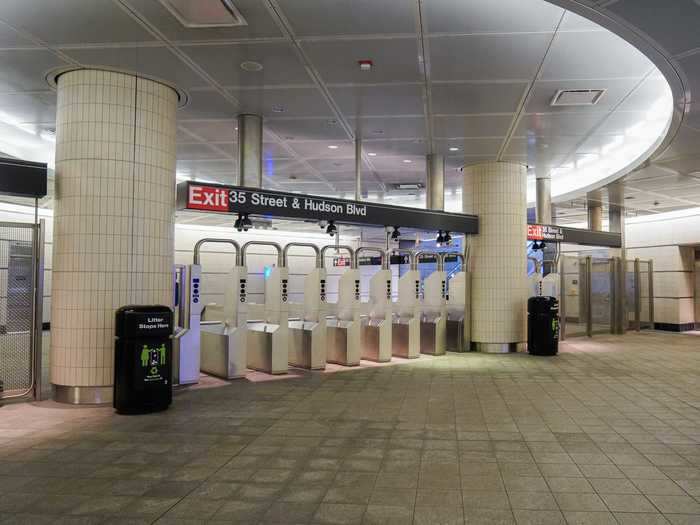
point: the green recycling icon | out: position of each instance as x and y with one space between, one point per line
153 357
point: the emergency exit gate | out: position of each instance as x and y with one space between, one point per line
605 295
21 315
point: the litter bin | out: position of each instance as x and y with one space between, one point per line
543 325
142 359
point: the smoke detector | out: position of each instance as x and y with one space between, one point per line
205 13
577 97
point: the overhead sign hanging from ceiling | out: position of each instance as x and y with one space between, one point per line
236 199
549 232
21 178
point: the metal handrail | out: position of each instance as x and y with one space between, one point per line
198 246
285 252
277 247
382 255
353 264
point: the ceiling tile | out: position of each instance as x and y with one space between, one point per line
379 100
548 149
32 109
504 16
207 168
11 38
476 98
478 147
211 130
198 151
383 164
404 147
619 121
544 91
223 63
327 165
471 126
553 124
260 23
73 21
490 57
646 94
207 105
275 150
155 62
307 129
593 55
395 128
25 70
395 60
295 102
323 149
339 17
574 22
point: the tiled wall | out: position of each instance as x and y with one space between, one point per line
668 239
113 219
499 279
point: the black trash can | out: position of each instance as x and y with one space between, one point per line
142 359
543 325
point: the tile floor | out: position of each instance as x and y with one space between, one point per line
606 432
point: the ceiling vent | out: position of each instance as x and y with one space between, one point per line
205 13
577 97
411 186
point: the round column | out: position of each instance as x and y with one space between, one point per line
113 219
499 254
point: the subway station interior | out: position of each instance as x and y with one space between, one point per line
350 262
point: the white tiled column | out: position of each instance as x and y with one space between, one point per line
113 219
499 279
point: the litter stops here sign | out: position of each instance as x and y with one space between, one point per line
236 199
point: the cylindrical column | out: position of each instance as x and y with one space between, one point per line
499 257
615 219
435 183
544 199
358 169
250 147
113 219
595 217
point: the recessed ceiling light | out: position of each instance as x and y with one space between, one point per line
372 154
332 146
251 66
629 197
277 108
453 148
378 132
407 161
332 122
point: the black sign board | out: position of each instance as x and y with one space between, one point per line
549 232
22 178
237 199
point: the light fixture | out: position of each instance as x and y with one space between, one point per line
372 154
378 132
250 66
395 234
407 161
278 108
331 229
332 146
205 13
454 148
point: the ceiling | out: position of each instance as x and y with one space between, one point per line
447 74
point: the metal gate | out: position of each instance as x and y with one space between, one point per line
604 295
21 316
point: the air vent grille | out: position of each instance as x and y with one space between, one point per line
205 13
577 97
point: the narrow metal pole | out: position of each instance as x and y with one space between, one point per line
38 315
613 295
562 299
589 296
358 169
651 293
250 147
435 183
637 296
544 199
